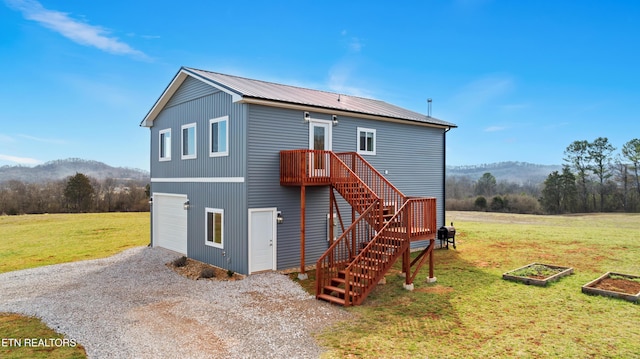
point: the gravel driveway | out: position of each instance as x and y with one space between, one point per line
132 306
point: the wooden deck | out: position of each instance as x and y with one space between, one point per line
388 222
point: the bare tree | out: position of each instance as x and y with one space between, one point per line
577 156
600 151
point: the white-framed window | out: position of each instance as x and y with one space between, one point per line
219 136
214 233
366 141
165 145
189 141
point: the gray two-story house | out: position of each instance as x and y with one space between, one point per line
255 176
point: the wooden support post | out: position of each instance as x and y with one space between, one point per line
354 250
331 224
406 266
432 244
302 275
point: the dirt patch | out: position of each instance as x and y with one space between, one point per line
193 268
619 285
437 289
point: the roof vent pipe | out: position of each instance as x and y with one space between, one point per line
429 107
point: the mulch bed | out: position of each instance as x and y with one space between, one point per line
193 269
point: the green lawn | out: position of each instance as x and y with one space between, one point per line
472 313
469 313
37 240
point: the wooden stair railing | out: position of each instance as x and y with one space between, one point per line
388 221
351 281
341 253
391 196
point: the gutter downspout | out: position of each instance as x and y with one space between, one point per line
444 173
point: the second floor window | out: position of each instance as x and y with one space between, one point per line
189 141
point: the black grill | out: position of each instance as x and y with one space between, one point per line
447 235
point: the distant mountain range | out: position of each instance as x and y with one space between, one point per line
61 169
516 172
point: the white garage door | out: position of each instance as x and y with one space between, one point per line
170 222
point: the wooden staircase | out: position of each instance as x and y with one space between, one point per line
387 223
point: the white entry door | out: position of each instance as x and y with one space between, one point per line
319 139
262 239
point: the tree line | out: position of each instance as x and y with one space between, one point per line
75 194
488 194
593 178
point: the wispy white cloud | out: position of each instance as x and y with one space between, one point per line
494 129
515 107
354 44
341 80
20 160
53 141
484 90
73 29
4 139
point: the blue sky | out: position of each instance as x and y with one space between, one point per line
521 79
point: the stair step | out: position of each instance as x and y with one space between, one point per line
341 291
341 281
342 274
331 299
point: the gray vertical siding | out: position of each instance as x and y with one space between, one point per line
197 102
189 90
412 155
269 131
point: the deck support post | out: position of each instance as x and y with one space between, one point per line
431 278
331 224
302 275
406 266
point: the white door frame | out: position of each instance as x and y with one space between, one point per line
326 124
328 144
274 212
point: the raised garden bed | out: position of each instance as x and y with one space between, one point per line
537 274
616 285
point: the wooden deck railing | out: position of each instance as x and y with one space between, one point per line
422 218
305 167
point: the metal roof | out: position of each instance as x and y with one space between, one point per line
279 95
257 89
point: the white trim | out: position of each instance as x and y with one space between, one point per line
354 114
218 120
375 141
195 141
274 211
329 126
168 152
198 179
208 210
176 82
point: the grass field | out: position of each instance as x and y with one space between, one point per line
472 313
38 240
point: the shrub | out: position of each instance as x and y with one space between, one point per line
180 262
230 273
207 273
